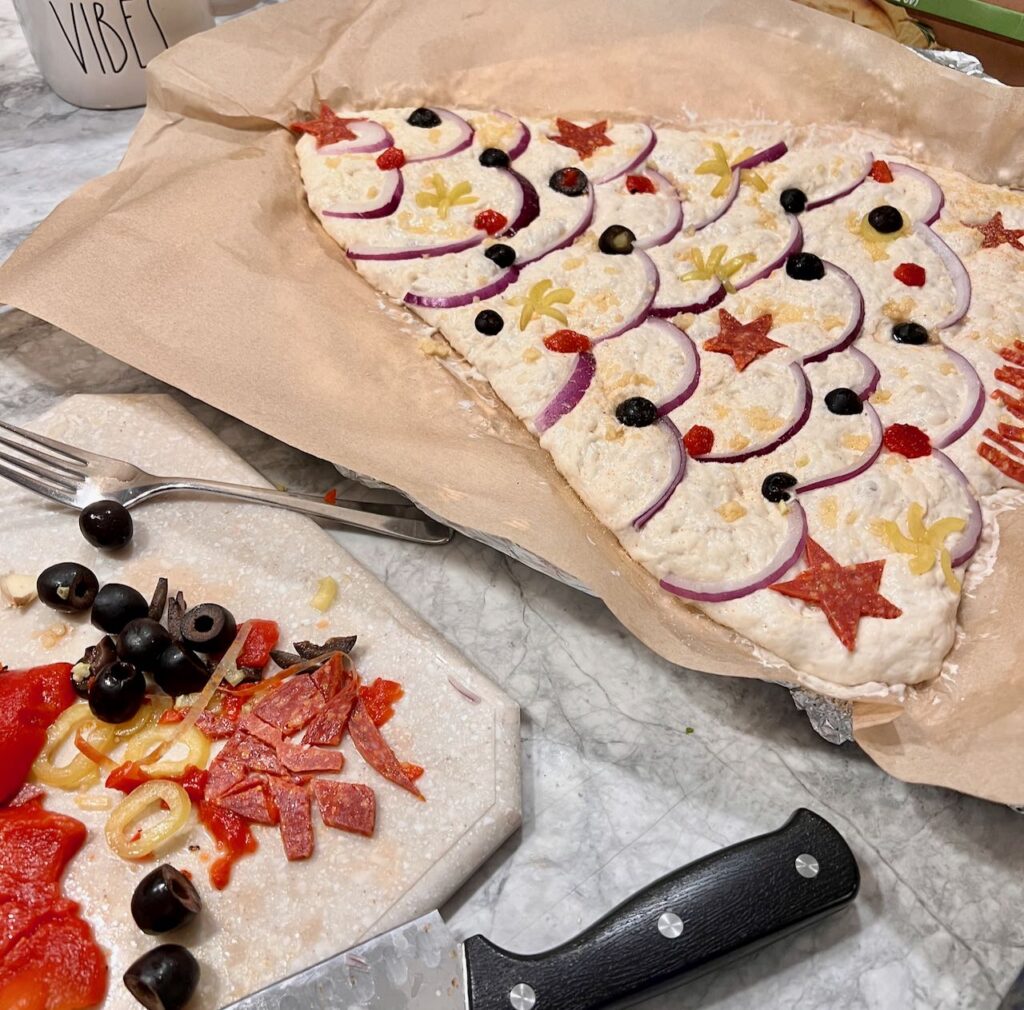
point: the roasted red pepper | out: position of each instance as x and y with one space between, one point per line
379 699
262 638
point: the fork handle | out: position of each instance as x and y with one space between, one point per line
421 530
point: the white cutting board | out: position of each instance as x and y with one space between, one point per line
275 917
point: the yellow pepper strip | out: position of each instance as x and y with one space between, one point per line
541 300
717 265
197 753
79 769
722 166
923 544
443 198
167 800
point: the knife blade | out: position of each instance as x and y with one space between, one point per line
721 906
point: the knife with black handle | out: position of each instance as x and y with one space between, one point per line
721 906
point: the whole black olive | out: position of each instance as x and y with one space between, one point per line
569 181
636 412
115 605
208 628
489 323
106 524
142 642
494 157
794 201
843 401
909 333
805 267
179 672
68 587
616 240
164 900
776 486
164 978
885 219
425 119
117 693
501 255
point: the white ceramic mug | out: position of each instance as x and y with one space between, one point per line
93 53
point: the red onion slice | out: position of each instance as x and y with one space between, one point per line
385 203
570 394
642 310
455 301
853 326
772 153
578 228
529 204
646 146
716 213
794 244
963 550
691 370
677 470
869 384
522 141
974 404
798 415
709 302
675 224
858 466
957 271
788 554
822 201
938 199
463 138
414 252
370 137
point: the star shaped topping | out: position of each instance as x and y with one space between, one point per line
995 234
745 342
584 140
844 593
328 128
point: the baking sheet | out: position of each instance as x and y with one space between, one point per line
199 262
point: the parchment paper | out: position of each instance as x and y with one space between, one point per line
199 262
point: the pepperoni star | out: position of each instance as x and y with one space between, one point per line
328 128
844 593
584 140
744 342
996 234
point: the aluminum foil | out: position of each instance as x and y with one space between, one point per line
965 63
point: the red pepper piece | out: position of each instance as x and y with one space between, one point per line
262 638
699 440
567 342
490 221
910 274
393 157
639 184
907 440
881 172
379 699
331 497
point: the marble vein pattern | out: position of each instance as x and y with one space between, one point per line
631 767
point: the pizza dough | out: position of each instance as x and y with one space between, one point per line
783 365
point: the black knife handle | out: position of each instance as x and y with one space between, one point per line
730 901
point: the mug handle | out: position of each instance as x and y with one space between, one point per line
218 8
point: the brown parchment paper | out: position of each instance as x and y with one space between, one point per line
199 262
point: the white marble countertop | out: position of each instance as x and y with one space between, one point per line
631 767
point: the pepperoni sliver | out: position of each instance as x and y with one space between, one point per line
328 727
292 705
1011 375
1002 462
251 803
1014 432
329 677
375 751
216 727
223 777
347 806
303 759
293 804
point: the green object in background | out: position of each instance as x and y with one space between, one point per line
973 13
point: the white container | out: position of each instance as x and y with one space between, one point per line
94 53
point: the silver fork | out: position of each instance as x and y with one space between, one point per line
75 477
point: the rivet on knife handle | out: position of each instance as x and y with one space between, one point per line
724 904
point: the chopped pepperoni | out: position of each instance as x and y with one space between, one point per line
252 803
699 441
490 221
881 172
224 777
1005 443
844 593
393 157
567 342
907 440
379 699
1011 431
1002 462
328 727
375 751
1011 375
330 677
302 758
346 805
1014 406
292 705
639 184
414 772
293 804
910 274
1013 354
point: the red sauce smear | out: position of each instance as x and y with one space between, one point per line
49 959
908 440
29 701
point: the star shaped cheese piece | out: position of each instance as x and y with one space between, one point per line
844 593
995 234
328 128
744 342
584 140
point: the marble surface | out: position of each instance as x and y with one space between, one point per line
631 767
